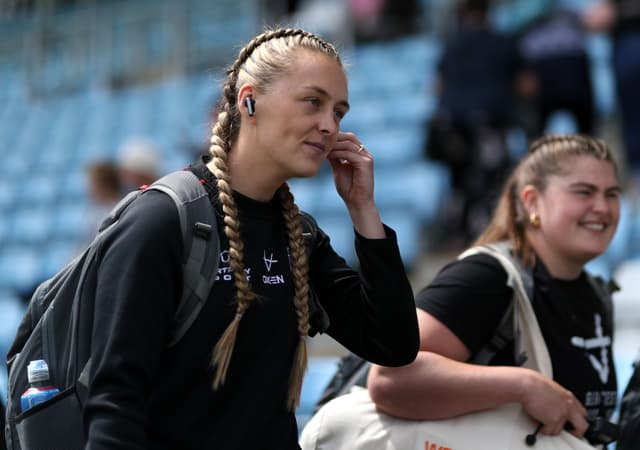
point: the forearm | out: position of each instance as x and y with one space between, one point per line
372 313
390 327
436 387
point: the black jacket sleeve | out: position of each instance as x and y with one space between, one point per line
371 313
139 283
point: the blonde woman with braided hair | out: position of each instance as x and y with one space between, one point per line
234 380
558 210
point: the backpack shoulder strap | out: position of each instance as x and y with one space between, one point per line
201 245
505 332
604 290
117 210
318 317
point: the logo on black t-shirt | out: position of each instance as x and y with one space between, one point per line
600 341
268 261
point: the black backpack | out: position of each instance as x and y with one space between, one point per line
58 322
630 412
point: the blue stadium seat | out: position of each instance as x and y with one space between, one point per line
600 267
412 110
11 311
423 186
40 189
627 300
306 192
339 228
395 145
20 268
70 220
598 46
367 112
327 200
319 373
408 232
58 254
73 185
561 122
31 224
418 52
8 194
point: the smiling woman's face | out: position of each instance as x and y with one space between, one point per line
579 211
298 118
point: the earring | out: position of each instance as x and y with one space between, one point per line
534 220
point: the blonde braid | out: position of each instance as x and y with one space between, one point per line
300 270
221 136
224 133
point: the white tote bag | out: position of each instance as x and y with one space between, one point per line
351 422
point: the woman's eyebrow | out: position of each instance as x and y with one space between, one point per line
323 92
593 187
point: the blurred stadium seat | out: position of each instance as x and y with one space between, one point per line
319 372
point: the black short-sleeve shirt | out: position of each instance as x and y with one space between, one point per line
470 296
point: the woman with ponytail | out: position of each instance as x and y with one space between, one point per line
234 380
558 210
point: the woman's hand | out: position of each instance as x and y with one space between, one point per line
352 167
553 406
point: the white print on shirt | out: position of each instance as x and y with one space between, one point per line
597 398
226 274
276 279
268 261
599 341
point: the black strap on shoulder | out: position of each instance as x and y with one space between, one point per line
604 290
318 317
201 245
505 331
116 211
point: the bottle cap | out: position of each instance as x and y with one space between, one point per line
37 371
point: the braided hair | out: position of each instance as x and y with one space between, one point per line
259 63
545 157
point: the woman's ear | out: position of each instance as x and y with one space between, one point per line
246 101
529 197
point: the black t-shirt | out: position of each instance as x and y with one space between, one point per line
470 296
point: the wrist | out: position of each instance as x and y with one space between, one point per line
367 222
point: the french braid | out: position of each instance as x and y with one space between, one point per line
260 61
300 270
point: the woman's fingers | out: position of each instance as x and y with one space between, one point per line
348 148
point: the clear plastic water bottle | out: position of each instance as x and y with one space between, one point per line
41 389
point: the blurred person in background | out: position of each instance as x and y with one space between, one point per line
375 20
234 380
105 190
138 163
622 19
554 50
477 75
